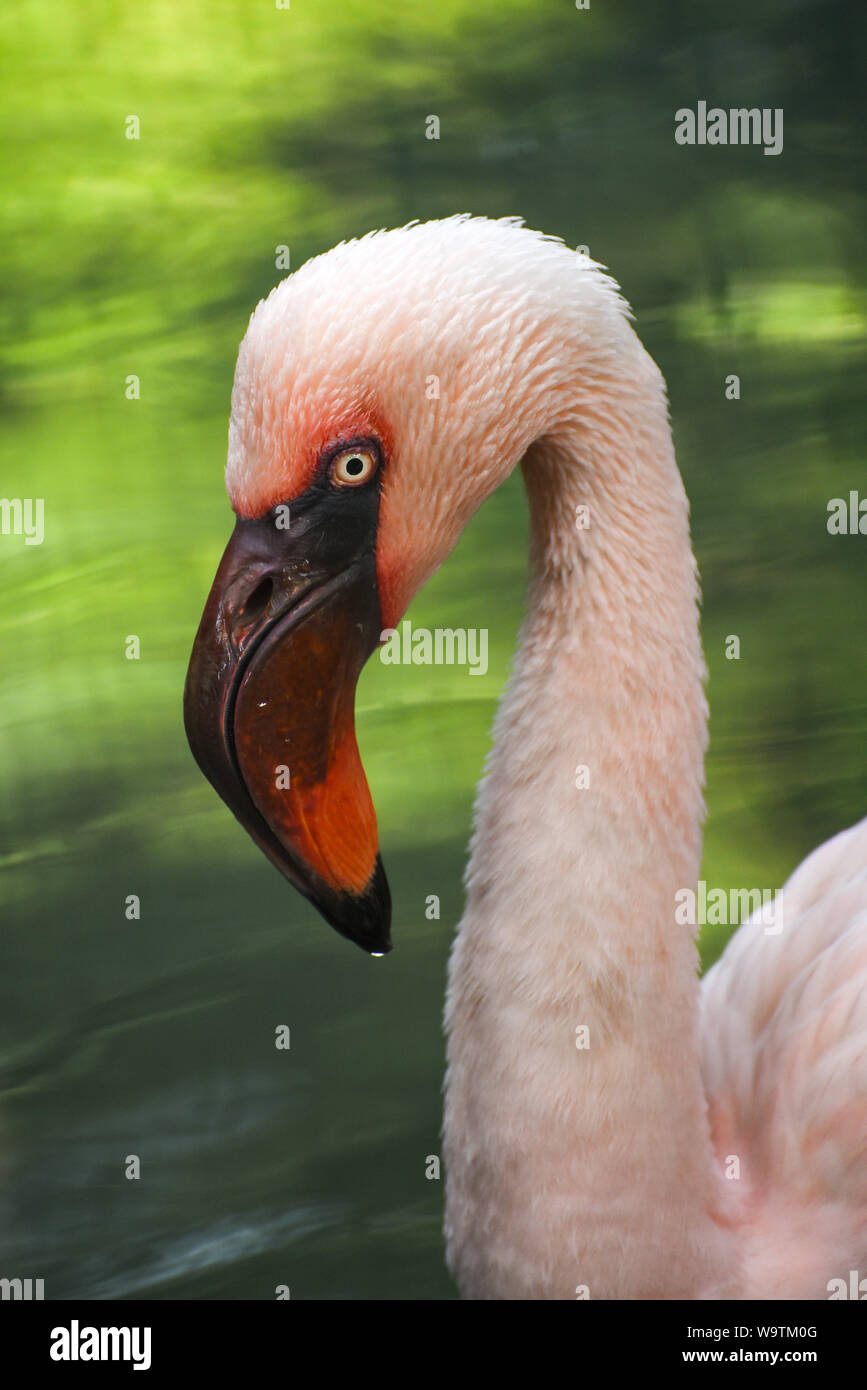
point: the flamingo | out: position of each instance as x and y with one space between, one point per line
705 1140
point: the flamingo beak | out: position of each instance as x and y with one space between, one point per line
269 701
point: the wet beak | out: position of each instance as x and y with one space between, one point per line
269 706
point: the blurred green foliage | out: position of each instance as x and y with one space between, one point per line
305 126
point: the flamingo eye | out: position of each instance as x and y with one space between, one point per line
352 467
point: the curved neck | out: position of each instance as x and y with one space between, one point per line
576 1128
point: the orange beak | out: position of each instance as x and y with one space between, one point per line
269 701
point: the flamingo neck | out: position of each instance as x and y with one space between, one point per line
577 1144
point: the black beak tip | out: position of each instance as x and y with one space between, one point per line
363 918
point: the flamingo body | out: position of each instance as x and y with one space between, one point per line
613 1128
784 1042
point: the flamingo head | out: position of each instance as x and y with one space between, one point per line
378 399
